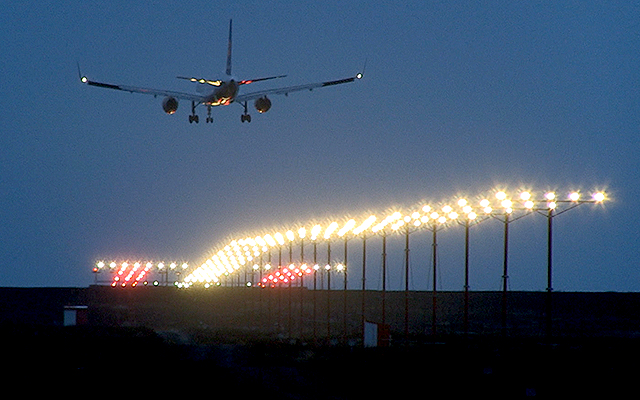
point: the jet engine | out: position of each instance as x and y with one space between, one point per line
170 105
263 104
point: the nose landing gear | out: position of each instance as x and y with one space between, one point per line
209 117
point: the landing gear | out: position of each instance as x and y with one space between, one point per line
193 117
209 117
245 116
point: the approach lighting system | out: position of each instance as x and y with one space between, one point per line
242 253
131 274
250 252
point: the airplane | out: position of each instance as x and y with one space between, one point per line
220 92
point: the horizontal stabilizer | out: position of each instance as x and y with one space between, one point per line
201 80
248 81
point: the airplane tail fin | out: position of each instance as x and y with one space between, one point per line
229 50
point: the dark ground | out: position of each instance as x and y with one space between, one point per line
185 353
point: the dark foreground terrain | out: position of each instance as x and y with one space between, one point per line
139 360
135 345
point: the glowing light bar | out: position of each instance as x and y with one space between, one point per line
240 252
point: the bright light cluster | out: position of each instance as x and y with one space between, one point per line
126 273
242 252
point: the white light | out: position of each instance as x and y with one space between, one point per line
484 203
525 196
599 197
550 196
462 202
332 227
575 196
315 231
501 195
269 239
426 209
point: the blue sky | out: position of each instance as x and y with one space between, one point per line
458 98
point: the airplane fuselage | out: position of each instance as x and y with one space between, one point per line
223 95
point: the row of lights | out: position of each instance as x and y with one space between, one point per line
283 275
131 274
241 252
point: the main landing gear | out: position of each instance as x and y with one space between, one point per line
245 116
193 117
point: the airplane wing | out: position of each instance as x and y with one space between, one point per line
241 98
155 92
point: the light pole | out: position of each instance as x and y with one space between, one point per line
552 208
343 233
407 222
470 216
380 228
507 210
327 236
362 229
315 231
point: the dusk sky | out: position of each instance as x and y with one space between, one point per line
458 98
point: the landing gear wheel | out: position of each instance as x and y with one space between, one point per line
209 117
245 116
193 117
